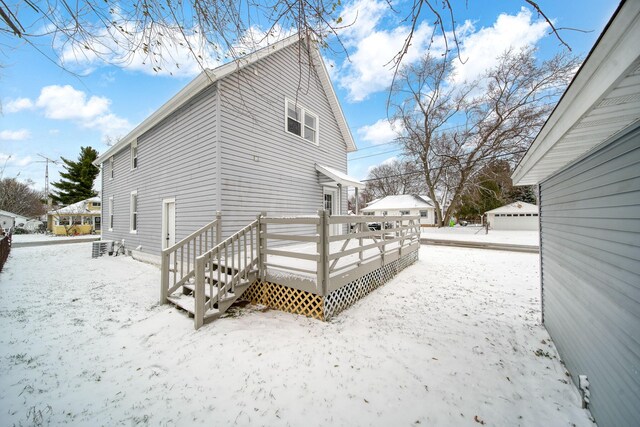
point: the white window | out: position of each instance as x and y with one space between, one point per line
134 155
111 168
110 213
424 214
134 212
301 122
404 212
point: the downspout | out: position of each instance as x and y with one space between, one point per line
540 251
218 152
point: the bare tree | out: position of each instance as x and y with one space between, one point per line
20 198
452 131
115 31
393 178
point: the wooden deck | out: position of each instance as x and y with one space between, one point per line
289 263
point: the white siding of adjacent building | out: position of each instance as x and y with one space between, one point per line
590 230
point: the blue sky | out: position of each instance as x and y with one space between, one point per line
47 110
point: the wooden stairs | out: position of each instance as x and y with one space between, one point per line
205 276
220 298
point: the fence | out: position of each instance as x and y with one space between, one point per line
5 248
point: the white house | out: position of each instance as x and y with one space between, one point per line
586 163
514 216
9 220
264 133
403 205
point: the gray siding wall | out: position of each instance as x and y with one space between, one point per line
590 231
281 179
176 159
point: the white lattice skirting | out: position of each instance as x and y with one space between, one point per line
346 296
283 298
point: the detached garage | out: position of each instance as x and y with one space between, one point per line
514 216
586 162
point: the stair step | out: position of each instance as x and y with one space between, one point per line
186 303
189 305
240 287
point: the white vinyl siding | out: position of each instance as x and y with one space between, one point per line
175 160
590 267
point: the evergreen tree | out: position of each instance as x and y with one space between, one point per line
77 182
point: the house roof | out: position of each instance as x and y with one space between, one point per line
339 177
210 76
13 215
78 207
405 201
602 100
516 207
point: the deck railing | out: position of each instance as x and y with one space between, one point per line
178 261
318 254
329 257
220 271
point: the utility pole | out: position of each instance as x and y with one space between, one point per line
46 161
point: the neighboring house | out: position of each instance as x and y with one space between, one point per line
403 205
9 220
83 217
264 133
586 162
514 216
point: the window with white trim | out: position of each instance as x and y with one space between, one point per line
134 154
424 214
133 209
301 122
111 168
110 213
404 212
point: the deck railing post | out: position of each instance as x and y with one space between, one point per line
164 277
218 230
198 316
323 251
262 243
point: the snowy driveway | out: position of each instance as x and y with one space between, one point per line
453 340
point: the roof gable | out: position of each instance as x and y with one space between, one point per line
210 76
405 201
516 207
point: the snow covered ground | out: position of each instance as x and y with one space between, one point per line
477 234
39 237
84 342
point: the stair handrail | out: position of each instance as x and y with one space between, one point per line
243 247
195 243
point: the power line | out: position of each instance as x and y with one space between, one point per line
443 167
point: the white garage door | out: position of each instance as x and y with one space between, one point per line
514 221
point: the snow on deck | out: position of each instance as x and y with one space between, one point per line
453 340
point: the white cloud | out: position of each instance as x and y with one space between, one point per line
371 49
15 135
373 41
156 51
65 102
11 160
18 104
380 132
389 161
91 112
479 49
